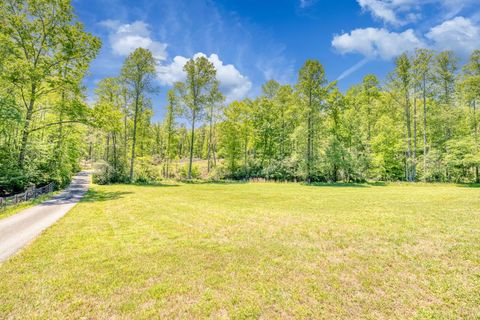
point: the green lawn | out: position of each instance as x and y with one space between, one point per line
269 251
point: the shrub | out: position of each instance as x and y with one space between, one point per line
146 171
184 172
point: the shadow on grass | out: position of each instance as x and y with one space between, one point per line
469 185
315 184
221 182
346 184
154 184
96 195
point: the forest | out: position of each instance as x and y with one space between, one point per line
420 123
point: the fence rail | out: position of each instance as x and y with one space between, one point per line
30 193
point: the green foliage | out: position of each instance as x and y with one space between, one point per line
189 173
146 171
421 124
199 90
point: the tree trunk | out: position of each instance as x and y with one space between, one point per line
414 164
167 153
309 138
210 137
191 146
134 140
125 141
424 126
26 128
107 155
114 144
245 156
409 136
475 130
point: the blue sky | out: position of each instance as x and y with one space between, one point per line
252 41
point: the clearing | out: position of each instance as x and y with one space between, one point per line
257 250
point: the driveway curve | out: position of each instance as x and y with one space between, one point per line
20 229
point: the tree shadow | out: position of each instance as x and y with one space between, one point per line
214 182
98 195
154 184
346 184
469 185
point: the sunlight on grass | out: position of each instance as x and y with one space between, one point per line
254 251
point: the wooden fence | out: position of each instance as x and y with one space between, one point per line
30 193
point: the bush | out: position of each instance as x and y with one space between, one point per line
146 171
101 173
184 172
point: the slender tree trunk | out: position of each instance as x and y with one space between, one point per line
409 137
191 146
282 142
107 154
59 152
210 137
114 144
414 164
214 151
424 126
167 153
134 140
309 138
90 151
26 127
245 155
125 137
369 125
475 130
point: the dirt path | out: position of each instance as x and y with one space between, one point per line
20 229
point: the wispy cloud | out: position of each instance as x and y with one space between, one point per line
353 68
306 3
402 12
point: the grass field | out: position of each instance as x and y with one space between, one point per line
254 251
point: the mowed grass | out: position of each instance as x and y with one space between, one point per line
267 251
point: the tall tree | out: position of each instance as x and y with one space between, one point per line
214 105
169 129
421 66
138 73
43 41
312 90
403 80
195 93
107 116
471 84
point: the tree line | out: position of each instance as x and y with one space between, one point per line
419 124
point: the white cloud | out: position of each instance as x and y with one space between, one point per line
232 83
459 34
383 10
376 43
125 38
